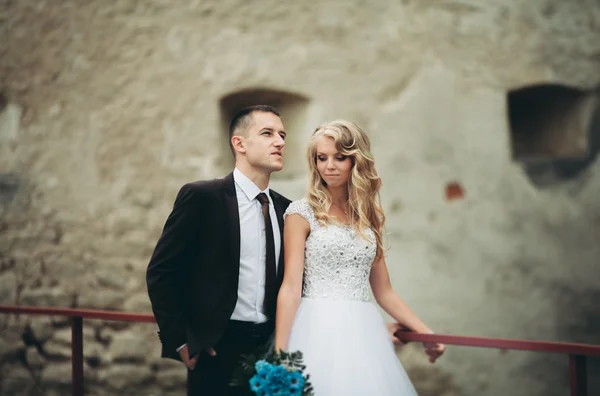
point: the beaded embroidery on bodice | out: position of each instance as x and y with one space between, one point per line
337 259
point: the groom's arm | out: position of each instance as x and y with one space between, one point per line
164 272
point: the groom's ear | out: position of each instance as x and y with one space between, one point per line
237 142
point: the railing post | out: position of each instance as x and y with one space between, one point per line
77 356
578 375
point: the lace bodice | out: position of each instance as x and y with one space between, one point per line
337 259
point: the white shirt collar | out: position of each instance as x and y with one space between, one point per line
248 187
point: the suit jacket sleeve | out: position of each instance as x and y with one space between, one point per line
165 271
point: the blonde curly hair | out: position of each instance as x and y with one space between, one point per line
364 183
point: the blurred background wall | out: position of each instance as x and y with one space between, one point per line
484 121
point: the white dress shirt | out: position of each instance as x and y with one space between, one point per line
253 239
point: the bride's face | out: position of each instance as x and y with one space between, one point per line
333 167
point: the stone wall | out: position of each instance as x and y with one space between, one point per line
110 106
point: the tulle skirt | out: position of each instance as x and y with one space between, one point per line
347 349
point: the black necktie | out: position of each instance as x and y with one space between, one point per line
271 266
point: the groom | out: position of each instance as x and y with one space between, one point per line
215 273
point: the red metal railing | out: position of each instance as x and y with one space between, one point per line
577 352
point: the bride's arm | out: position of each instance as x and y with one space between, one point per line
390 301
295 231
392 304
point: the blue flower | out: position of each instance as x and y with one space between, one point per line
262 367
256 384
296 382
277 381
278 373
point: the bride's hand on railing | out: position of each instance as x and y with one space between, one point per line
393 328
434 350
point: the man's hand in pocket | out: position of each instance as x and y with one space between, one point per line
191 363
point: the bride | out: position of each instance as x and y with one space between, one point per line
333 251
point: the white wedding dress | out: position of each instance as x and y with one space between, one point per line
344 339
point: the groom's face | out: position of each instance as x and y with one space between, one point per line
264 142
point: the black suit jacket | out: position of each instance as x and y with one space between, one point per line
192 277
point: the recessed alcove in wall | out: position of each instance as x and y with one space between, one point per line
555 131
293 110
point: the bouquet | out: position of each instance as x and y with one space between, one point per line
280 374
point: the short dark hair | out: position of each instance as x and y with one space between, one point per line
242 119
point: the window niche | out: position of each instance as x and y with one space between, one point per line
555 131
293 110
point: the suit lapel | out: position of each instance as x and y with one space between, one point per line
233 215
